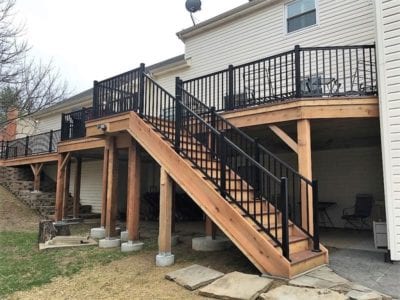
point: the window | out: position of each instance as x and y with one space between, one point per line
301 14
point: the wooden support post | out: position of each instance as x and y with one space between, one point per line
67 180
104 183
59 188
36 169
173 207
77 187
305 169
211 229
165 212
133 199
112 189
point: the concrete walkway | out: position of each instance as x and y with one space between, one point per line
367 268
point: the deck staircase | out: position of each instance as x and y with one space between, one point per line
223 170
264 206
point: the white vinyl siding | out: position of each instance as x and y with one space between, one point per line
388 29
51 122
263 34
90 185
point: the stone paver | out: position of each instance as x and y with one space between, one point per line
286 292
312 282
194 277
327 274
357 295
238 286
322 278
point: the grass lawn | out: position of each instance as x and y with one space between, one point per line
90 272
23 266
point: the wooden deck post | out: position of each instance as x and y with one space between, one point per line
305 169
133 193
104 183
67 180
77 187
112 189
59 188
37 170
165 212
173 224
211 229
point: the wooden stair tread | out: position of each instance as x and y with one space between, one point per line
278 226
292 239
302 256
250 237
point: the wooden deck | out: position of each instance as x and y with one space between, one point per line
310 108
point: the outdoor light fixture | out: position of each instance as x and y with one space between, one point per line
102 127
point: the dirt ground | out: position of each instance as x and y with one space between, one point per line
14 215
132 277
137 277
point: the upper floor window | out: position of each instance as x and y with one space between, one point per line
300 14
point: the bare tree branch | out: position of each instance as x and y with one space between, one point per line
28 84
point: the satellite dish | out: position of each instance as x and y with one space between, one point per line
193 5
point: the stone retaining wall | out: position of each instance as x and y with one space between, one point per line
19 181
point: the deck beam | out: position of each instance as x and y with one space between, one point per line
335 108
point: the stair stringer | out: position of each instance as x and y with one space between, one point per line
242 232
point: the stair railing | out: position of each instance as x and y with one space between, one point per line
220 160
301 192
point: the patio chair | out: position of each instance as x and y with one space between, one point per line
361 212
363 78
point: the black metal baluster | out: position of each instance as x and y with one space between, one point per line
297 70
285 218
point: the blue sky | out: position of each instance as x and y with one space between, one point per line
94 39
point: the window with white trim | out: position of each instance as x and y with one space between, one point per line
300 14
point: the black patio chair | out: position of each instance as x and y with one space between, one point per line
361 212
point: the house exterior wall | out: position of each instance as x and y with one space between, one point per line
262 34
388 42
